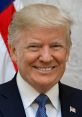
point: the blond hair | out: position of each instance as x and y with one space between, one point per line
39 15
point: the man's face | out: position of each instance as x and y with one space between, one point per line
41 56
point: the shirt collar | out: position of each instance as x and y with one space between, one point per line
29 94
53 95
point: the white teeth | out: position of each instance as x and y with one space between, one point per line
45 69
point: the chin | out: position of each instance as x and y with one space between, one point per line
43 86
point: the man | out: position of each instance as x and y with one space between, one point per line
39 43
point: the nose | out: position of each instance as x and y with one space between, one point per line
46 55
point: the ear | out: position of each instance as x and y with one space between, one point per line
12 51
67 55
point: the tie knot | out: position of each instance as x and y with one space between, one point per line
42 100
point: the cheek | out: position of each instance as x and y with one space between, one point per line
61 57
25 61
31 58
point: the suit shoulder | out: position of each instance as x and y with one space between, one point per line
6 86
70 88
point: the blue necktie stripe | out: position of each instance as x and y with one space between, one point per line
41 100
41 112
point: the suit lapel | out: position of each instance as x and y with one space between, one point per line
70 106
10 102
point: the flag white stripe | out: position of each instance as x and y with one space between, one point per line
18 5
7 70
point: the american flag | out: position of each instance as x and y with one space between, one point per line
7 9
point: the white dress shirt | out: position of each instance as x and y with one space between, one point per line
29 94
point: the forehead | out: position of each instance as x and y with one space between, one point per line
48 31
44 34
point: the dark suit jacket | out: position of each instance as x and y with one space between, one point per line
11 104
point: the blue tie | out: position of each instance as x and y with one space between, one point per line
41 100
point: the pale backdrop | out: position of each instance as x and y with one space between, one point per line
73 75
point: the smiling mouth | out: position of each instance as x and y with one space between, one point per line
44 69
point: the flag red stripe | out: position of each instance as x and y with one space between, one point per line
5 19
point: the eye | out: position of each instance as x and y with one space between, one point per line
56 46
33 47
